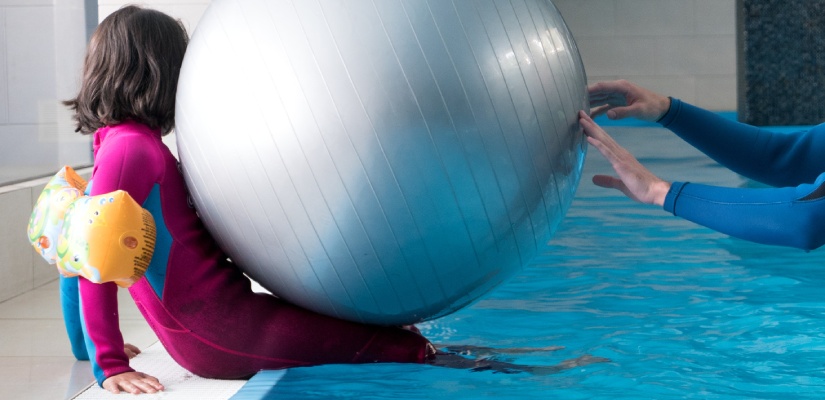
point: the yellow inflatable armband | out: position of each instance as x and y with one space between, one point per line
108 238
49 211
105 238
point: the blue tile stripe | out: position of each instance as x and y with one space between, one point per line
261 386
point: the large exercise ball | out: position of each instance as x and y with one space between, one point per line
381 161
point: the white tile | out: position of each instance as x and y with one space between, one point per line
34 338
31 78
25 3
73 148
15 251
47 337
24 369
720 55
42 390
717 93
588 18
4 80
179 383
31 155
682 87
138 333
634 57
696 55
655 17
55 127
37 188
12 187
42 377
34 304
716 17
615 56
51 286
80 379
42 272
127 308
43 302
70 47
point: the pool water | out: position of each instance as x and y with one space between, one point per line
679 310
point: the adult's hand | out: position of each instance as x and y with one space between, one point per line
622 99
130 350
634 180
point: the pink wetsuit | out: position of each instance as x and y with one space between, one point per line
201 306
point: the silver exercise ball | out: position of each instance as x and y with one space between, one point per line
381 161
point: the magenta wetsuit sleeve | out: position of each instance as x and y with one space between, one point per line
98 304
786 216
120 163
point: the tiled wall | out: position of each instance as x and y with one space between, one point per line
683 48
21 268
41 52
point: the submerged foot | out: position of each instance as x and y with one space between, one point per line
480 359
486 352
586 359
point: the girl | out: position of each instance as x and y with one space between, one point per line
201 307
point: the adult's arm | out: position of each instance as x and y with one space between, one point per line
790 216
777 159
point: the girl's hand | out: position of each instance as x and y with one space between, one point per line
622 99
132 382
130 350
634 180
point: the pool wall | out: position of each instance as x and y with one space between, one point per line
21 268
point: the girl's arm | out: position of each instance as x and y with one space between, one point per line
98 302
123 162
778 159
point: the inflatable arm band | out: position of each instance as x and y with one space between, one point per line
104 238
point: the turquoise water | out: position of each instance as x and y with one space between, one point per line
680 311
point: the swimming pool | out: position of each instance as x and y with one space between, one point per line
680 311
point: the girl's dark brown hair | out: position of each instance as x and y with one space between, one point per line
131 71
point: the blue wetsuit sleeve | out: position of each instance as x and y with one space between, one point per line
70 303
775 158
790 216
